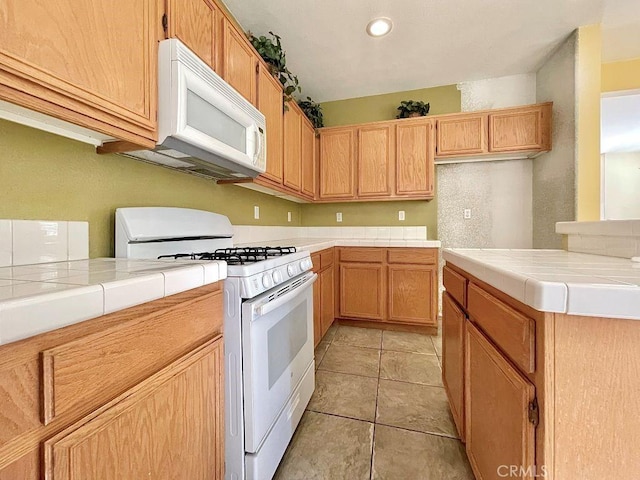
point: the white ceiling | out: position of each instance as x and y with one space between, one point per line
434 42
620 124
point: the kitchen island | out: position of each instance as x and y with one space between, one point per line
94 352
540 362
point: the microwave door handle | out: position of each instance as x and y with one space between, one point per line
259 145
271 306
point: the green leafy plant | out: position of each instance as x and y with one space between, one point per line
411 108
313 111
270 49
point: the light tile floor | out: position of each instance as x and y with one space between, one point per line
379 412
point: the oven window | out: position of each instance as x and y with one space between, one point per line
284 341
208 119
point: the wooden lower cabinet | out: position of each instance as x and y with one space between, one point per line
453 320
411 293
169 427
499 433
394 286
362 292
327 298
134 394
323 293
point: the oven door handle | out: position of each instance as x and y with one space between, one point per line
271 306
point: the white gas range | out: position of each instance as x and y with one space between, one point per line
268 328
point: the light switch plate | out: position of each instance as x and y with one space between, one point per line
467 213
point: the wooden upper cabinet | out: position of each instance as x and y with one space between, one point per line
195 23
376 153
240 62
308 159
292 147
526 128
170 426
462 135
93 64
498 430
415 158
270 104
453 320
337 164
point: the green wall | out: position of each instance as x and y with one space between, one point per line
445 99
47 177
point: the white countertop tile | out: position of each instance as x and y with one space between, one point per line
42 297
557 280
316 244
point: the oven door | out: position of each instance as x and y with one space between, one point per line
277 349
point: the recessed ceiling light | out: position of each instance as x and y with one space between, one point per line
379 27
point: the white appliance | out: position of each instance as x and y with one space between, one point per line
205 126
268 327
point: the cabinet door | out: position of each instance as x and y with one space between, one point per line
194 22
317 311
91 63
520 129
414 158
327 298
376 154
337 164
170 426
292 148
362 292
270 104
412 293
308 159
465 135
240 62
498 430
453 359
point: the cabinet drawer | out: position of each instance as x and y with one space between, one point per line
456 285
362 255
85 373
316 260
326 258
511 331
413 256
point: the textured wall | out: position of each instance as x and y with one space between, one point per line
554 172
499 196
498 193
621 185
445 99
47 177
498 92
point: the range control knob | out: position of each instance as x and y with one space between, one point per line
303 265
277 277
291 270
266 280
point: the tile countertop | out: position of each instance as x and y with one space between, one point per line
557 280
316 244
42 297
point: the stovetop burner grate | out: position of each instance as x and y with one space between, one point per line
236 256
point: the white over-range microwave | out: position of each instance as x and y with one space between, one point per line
205 126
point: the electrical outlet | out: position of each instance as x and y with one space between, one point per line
288 216
467 213
401 215
256 212
339 217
